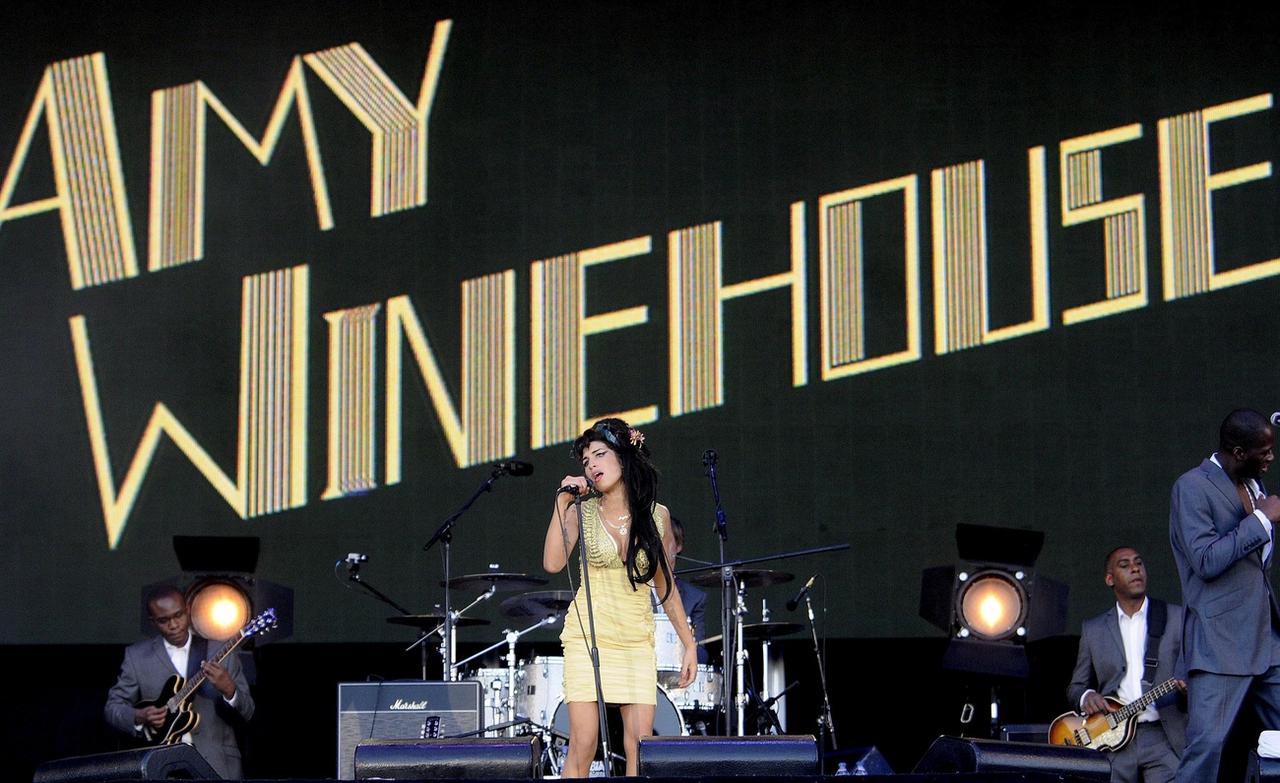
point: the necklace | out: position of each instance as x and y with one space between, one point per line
620 525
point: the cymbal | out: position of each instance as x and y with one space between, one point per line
498 579
761 631
754 577
539 604
427 621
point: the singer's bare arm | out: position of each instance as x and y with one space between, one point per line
557 545
674 607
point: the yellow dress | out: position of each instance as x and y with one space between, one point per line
623 618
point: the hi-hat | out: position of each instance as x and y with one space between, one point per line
432 620
540 604
753 577
498 579
761 631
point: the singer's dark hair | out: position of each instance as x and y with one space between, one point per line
1243 427
640 478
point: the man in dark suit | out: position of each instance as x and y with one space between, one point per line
1113 661
223 700
1221 527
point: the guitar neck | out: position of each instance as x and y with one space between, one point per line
1141 703
195 682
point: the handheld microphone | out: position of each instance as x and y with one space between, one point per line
355 558
515 467
591 492
794 602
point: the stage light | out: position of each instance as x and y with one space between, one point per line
993 603
218 608
222 591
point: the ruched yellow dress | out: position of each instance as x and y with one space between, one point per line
623 619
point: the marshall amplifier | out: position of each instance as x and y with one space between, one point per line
399 710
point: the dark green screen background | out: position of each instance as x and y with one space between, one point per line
559 127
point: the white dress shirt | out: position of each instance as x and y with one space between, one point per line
1133 631
1133 634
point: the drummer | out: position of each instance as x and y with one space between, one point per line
694 599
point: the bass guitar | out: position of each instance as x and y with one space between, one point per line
1106 730
175 697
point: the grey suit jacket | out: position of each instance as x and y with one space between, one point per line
1217 547
143 673
1101 665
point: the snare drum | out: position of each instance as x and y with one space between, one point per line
493 686
702 694
540 689
667 645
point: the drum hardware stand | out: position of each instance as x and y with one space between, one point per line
740 660
511 637
449 639
727 569
450 619
825 724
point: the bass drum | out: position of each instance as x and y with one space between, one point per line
667 721
540 689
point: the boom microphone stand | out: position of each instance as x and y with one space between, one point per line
825 725
445 533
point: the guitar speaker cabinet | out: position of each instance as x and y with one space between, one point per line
1025 732
958 754
166 762
399 710
727 757
503 758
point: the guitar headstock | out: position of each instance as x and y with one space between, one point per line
261 624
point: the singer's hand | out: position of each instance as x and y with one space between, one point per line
688 667
1270 505
572 481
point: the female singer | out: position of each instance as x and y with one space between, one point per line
623 531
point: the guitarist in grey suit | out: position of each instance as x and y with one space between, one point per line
1115 648
1221 527
224 698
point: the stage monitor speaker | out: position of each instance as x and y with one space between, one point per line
504 758
399 710
166 762
1262 770
727 757
1025 732
959 754
868 757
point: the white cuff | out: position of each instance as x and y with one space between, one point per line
1086 693
1266 523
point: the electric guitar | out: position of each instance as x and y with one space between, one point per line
1106 730
175 696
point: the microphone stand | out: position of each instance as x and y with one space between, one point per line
825 724
595 652
445 533
727 593
353 575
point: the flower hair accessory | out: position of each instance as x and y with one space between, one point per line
636 436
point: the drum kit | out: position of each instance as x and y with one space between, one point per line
526 694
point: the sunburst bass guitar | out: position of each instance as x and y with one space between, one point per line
175 697
1106 730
